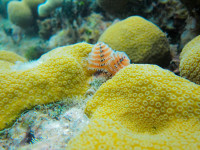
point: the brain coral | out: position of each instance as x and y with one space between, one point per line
149 107
58 74
140 39
190 61
5 66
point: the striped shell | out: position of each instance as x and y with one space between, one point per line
103 58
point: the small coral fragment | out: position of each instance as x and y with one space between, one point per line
142 107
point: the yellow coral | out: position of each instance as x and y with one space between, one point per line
190 61
60 73
5 66
149 107
109 134
141 40
11 57
8 59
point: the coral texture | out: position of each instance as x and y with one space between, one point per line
11 57
109 134
140 39
8 59
193 6
5 66
143 106
58 74
190 61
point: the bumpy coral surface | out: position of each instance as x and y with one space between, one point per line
5 66
140 39
190 61
109 134
143 106
11 57
145 98
58 74
8 59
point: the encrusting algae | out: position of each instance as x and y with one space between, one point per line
144 107
58 74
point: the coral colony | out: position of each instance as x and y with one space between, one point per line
94 74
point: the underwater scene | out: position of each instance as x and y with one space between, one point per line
99 74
